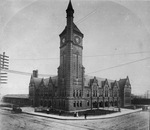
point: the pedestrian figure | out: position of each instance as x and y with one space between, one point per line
59 113
85 115
77 114
47 111
119 109
74 114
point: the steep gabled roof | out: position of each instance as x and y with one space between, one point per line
75 29
101 81
46 82
25 96
63 32
31 79
127 81
122 83
55 80
115 83
37 81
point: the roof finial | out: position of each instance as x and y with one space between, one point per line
70 8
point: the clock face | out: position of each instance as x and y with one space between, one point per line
77 39
63 40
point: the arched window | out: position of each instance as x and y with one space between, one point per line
115 92
96 93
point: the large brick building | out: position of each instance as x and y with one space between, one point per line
72 90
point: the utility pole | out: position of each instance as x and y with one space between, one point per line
4 61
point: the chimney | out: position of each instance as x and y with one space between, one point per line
35 73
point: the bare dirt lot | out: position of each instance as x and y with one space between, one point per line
134 121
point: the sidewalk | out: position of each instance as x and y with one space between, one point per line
30 110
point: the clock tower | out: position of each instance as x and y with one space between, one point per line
71 70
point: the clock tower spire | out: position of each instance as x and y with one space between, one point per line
70 71
70 12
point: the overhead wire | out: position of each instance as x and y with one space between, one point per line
119 54
112 67
85 17
78 22
24 73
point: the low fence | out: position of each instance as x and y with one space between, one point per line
140 101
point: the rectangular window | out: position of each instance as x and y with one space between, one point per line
64 63
73 93
80 93
74 104
88 103
76 93
77 103
80 103
75 64
88 94
77 69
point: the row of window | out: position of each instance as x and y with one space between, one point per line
77 104
44 95
106 94
77 93
49 103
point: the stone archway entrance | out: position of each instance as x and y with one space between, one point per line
116 103
101 104
106 104
95 105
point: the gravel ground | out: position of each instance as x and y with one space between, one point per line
134 121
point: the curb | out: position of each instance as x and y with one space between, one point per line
98 118
57 118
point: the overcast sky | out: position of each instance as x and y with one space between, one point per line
115 33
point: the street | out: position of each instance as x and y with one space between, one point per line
134 121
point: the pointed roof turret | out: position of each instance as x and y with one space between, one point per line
70 10
31 79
